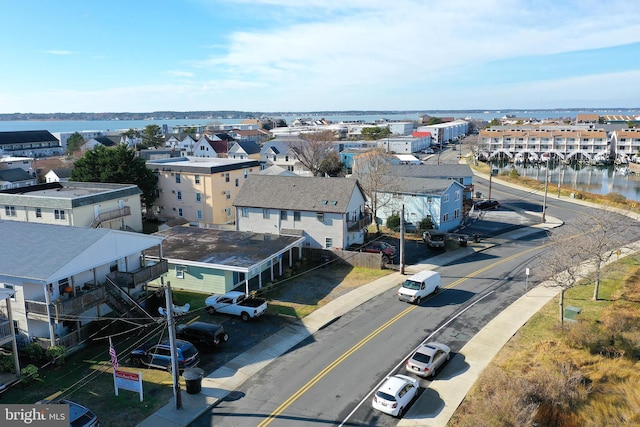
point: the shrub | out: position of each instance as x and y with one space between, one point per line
56 354
514 173
616 198
7 363
35 352
425 224
29 374
393 222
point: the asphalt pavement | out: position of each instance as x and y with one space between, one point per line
475 355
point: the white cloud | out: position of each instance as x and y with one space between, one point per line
60 52
175 73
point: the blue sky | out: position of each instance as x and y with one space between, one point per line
292 55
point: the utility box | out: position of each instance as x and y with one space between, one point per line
571 313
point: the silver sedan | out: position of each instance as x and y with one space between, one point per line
427 359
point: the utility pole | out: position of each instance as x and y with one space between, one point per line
546 188
175 369
402 241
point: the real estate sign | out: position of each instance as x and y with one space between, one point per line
128 381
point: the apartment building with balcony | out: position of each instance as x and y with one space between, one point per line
80 204
200 190
626 143
63 278
564 143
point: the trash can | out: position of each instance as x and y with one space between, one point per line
462 241
476 238
193 379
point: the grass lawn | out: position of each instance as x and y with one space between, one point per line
583 373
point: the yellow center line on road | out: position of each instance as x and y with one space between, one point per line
280 409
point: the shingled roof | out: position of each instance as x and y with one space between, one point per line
25 136
296 193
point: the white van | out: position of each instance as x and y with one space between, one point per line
419 286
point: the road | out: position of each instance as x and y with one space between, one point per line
329 378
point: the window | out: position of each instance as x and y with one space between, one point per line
445 217
58 214
197 179
198 197
38 213
199 214
328 242
237 182
457 194
180 270
180 212
283 215
227 211
296 216
244 212
265 213
228 194
456 214
320 216
177 178
226 177
445 198
246 173
179 194
10 210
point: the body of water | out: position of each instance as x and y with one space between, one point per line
54 126
587 178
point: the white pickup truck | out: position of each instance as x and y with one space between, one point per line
237 304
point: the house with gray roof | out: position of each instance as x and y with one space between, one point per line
76 276
244 150
30 143
218 261
328 212
279 152
107 141
58 175
15 178
440 200
461 173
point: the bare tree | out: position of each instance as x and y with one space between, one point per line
578 251
312 149
373 170
603 235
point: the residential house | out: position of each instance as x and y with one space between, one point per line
183 142
244 150
15 178
8 336
211 146
217 261
460 173
25 163
439 200
76 276
200 190
279 152
107 141
276 170
328 212
58 175
29 143
80 204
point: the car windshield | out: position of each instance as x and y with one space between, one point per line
436 236
421 357
410 284
385 396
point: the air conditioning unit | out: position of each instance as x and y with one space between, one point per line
173 191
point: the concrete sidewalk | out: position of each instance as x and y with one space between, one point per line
478 352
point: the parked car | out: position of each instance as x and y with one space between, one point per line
236 303
427 359
205 336
388 250
158 355
80 416
487 204
395 394
434 238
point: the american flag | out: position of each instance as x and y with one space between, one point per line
114 356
